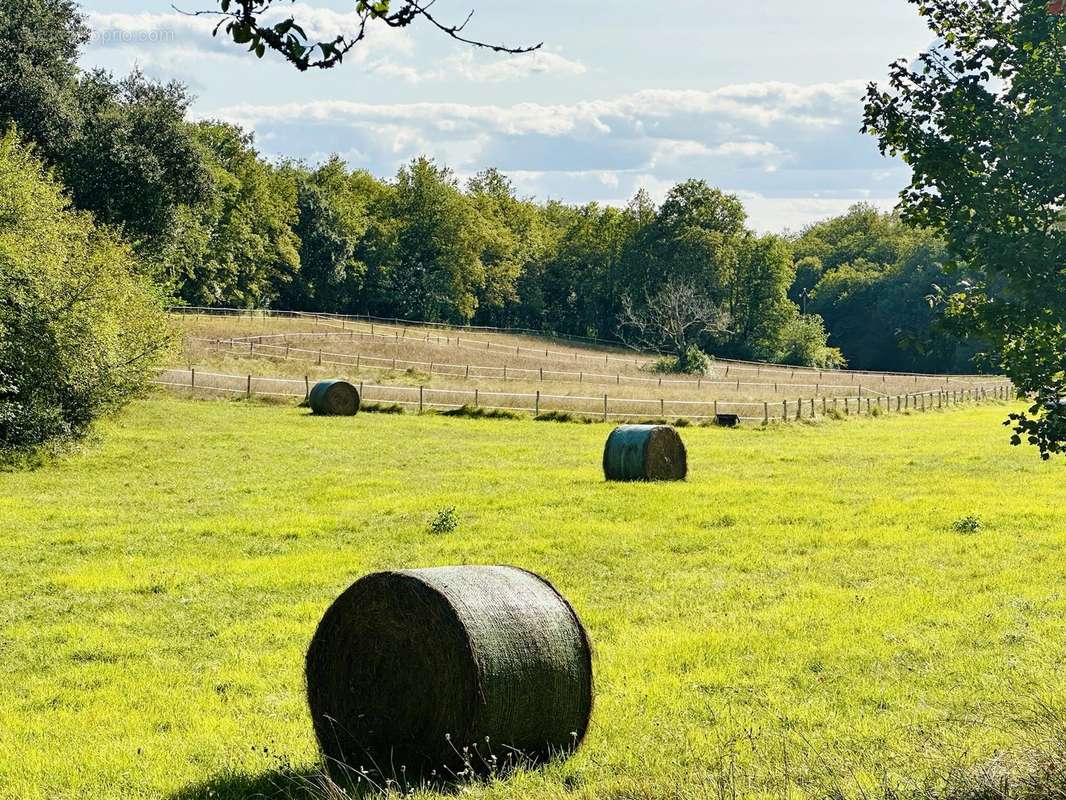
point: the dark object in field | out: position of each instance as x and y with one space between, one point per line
408 668
727 420
644 453
334 399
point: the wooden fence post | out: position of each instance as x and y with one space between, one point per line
662 407
784 413
193 371
605 408
420 389
765 413
307 388
248 391
536 407
475 398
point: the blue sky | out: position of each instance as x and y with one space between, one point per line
761 98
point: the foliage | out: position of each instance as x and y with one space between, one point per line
333 220
38 71
135 162
871 278
693 362
79 324
979 119
121 147
239 247
802 342
222 548
430 266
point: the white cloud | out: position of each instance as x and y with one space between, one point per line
793 151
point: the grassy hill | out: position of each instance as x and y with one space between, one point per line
818 607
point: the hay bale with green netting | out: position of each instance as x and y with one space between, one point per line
407 668
334 399
644 453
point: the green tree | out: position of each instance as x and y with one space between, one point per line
333 219
122 147
512 238
80 325
39 45
431 267
695 236
238 248
135 161
870 276
757 296
979 119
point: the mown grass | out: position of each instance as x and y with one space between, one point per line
805 615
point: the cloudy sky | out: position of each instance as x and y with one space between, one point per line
759 97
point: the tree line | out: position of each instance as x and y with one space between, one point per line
196 212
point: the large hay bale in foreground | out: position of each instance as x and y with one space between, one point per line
334 399
644 453
409 667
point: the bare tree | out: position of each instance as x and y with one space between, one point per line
671 321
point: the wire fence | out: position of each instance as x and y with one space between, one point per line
263 346
407 330
424 398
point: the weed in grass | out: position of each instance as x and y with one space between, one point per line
446 521
472 412
566 416
382 408
967 524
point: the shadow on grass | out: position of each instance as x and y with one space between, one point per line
281 784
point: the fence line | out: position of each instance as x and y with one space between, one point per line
401 333
537 403
255 346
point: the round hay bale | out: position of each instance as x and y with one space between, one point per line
644 453
334 399
407 668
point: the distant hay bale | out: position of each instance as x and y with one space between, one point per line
644 453
409 667
334 399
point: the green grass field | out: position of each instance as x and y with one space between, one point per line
802 613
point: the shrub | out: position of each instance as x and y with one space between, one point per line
693 362
80 326
802 341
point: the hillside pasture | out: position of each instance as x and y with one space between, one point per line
519 372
